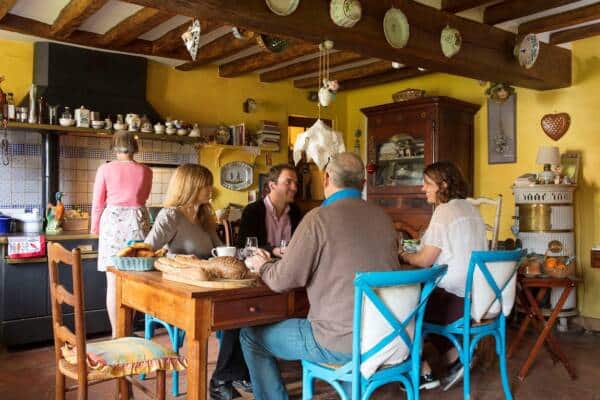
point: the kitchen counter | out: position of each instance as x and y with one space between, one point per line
65 235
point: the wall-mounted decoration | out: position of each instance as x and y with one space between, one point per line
555 125
502 139
569 162
237 175
396 28
282 7
345 13
450 40
527 50
328 88
249 105
408 94
191 38
271 43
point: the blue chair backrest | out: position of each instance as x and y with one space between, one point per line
364 285
479 266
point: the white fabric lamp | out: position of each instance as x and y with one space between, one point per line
319 142
548 156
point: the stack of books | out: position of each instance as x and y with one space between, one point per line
269 136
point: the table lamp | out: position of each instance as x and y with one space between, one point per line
548 156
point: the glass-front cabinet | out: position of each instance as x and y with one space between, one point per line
402 139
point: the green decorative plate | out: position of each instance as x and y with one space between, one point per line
396 28
450 41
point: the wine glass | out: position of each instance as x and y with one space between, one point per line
283 246
251 245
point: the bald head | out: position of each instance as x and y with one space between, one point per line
346 170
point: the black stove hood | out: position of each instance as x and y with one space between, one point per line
110 83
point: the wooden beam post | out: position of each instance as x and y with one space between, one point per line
571 35
513 9
133 26
374 68
72 16
308 66
454 6
264 59
562 20
486 53
5 6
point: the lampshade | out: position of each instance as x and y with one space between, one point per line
548 155
320 142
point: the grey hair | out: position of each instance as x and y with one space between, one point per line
346 170
125 142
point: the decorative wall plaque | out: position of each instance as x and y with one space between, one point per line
237 175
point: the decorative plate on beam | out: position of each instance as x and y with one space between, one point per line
345 13
527 50
396 28
282 7
271 43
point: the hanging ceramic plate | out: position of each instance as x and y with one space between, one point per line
527 50
236 175
450 40
396 28
282 7
271 43
345 13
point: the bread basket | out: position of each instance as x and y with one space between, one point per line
408 94
134 263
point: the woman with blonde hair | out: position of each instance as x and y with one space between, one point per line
121 189
185 224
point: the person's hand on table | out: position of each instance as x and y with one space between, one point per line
257 260
278 251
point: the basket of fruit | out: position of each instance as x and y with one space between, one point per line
137 256
559 266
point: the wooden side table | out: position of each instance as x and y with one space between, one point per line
535 316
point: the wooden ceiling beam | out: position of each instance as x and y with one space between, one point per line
27 26
486 52
172 39
454 6
222 47
308 66
571 35
374 68
380 79
265 59
5 6
562 20
133 26
513 9
72 16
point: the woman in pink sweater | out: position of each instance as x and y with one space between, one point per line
119 214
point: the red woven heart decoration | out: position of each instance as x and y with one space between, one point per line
556 125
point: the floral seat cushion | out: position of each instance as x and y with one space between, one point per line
127 356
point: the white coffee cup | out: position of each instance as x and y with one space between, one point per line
223 251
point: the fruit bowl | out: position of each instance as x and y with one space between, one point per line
559 267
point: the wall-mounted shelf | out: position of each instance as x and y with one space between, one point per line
98 133
220 148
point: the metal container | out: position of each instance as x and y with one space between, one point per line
95 116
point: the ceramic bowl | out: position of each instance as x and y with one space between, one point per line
182 132
120 127
97 124
66 121
171 131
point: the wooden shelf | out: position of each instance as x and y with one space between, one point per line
99 133
253 150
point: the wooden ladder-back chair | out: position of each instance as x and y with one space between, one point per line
71 350
495 228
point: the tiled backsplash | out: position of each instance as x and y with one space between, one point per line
80 157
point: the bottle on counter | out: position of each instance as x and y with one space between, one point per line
10 113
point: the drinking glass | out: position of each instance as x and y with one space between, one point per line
251 246
283 245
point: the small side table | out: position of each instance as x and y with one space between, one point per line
535 316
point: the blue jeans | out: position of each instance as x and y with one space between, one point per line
288 340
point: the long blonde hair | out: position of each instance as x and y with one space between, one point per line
184 186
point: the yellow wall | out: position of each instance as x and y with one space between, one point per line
16 64
581 101
202 96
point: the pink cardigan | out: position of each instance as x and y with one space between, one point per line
119 183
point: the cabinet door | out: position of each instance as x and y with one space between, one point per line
25 291
400 145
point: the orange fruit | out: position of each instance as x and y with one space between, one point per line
551 262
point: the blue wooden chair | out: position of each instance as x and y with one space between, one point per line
489 297
408 371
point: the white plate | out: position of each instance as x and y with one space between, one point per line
345 13
282 7
527 50
396 28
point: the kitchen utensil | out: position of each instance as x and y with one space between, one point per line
396 28
95 116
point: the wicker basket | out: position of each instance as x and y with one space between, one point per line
134 263
408 94
557 272
76 224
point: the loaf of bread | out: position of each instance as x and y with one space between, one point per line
226 268
144 253
142 246
126 252
170 266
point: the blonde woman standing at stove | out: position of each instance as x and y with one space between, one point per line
119 214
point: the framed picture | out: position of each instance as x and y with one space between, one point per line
263 185
502 138
569 162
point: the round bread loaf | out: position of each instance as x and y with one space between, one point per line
142 245
144 253
226 268
126 252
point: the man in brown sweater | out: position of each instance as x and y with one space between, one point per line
344 236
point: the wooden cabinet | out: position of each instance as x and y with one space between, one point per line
405 137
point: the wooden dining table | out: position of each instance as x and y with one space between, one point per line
199 311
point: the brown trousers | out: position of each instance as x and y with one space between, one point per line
443 308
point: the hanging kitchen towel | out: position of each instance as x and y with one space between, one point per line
26 246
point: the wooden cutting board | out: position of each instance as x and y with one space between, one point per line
216 284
